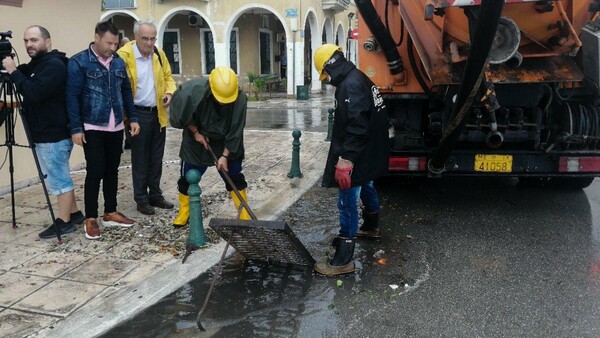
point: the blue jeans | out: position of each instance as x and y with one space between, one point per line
54 162
348 206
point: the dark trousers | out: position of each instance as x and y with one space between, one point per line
102 155
235 173
147 150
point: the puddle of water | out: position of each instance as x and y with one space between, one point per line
313 119
250 299
254 299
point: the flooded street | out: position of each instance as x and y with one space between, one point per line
480 257
458 257
305 119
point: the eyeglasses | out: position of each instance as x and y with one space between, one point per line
147 39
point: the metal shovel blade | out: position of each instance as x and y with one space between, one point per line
267 241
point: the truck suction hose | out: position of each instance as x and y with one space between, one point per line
485 31
383 36
494 138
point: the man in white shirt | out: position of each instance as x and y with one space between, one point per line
149 73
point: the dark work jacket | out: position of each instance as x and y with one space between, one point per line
42 84
193 102
360 127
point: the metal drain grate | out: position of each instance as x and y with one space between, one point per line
268 241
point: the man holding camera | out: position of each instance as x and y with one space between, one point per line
149 73
42 84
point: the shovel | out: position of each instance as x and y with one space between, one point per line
243 204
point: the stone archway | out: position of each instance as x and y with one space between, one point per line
313 40
123 19
340 37
189 44
328 31
109 14
269 42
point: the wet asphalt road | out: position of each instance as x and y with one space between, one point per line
305 119
484 258
471 258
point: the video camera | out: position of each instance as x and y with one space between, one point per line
5 46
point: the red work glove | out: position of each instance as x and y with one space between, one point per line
343 170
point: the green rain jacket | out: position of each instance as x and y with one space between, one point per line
224 125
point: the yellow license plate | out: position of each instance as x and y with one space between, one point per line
493 163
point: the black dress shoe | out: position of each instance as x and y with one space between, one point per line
161 203
145 209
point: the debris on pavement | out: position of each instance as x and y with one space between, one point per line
379 254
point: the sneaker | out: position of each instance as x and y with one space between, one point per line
77 217
117 219
63 227
145 209
91 228
161 202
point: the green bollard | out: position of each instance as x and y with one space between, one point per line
329 124
295 170
196 237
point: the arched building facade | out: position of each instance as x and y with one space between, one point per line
274 39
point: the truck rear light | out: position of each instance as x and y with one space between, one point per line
407 164
578 164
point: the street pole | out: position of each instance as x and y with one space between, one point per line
350 16
293 62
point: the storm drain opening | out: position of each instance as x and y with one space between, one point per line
273 242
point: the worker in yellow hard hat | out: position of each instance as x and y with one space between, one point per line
210 111
358 154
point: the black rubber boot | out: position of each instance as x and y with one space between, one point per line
370 226
342 262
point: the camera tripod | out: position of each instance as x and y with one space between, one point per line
10 100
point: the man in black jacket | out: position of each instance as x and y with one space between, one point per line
42 83
357 155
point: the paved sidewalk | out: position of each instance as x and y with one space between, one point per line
82 288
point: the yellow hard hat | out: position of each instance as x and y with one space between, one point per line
223 84
322 55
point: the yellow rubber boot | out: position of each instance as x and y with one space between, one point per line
184 211
236 201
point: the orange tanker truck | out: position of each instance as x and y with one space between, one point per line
487 87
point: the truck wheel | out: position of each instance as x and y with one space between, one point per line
572 182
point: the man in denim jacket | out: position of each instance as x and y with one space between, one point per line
98 94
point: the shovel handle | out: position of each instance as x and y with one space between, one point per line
230 182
